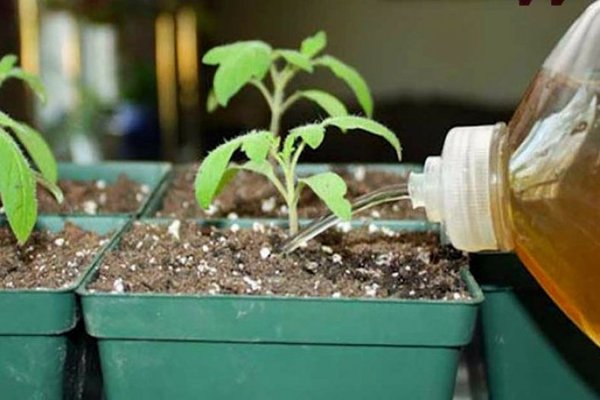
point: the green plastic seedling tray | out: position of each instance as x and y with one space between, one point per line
531 349
158 346
39 352
148 173
402 169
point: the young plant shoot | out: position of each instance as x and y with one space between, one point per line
249 63
216 171
25 159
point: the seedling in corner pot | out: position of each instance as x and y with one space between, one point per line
25 159
249 63
216 171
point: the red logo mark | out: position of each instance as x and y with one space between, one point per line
552 2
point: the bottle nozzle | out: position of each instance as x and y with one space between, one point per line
454 189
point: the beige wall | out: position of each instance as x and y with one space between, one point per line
483 50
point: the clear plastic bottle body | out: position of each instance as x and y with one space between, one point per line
553 192
534 186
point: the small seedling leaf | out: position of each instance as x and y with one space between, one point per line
260 167
6 64
213 173
331 189
257 145
33 81
313 45
17 188
352 78
238 63
34 144
296 59
50 187
367 125
327 102
211 102
311 134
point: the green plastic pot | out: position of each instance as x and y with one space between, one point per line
531 349
42 355
148 173
403 169
158 346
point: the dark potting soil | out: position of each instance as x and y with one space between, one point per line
95 197
251 195
48 259
185 258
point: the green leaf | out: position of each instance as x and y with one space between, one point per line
368 125
34 144
211 102
6 64
238 63
311 46
263 167
213 173
50 186
327 102
257 146
331 189
297 59
33 81
17 188
311 134
352 78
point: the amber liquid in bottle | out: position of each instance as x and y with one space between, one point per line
554 178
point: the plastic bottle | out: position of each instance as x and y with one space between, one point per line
533 186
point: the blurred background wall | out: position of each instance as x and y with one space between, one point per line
125 79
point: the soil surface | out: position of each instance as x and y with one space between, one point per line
252 195
95 197
366 262
47 260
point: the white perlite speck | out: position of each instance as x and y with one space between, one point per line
232 215
373 228
215 289
265 252
173 229
371 290
336 258
234 228
360 173
212 210
336 295
118 286
59 242
268 205
312 266
327 249
258 227
375 214
344 227
90 207
100 184
254 285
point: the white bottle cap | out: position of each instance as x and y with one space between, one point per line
455 188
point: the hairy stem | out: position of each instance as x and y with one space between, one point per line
279 104
291 198
290 101
263 89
